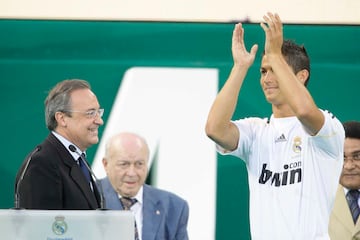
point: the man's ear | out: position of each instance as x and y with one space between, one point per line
104 162
60 118
303 75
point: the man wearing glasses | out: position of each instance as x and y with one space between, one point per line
344 220
55 175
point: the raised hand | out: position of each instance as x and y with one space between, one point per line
241 56
273 29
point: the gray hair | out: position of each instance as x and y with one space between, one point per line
59 99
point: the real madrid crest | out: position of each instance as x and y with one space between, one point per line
59 227
297 144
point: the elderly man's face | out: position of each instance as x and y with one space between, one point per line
350 175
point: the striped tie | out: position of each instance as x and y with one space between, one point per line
127 204
352 197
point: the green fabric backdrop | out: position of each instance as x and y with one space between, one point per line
36 54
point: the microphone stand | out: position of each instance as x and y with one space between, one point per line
17 189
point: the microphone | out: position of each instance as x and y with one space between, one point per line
102 201
19 181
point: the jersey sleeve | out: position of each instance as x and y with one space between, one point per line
247 129
331 136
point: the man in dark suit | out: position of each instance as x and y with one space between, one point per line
159 214
51 176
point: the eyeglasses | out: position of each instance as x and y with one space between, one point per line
354 157
89 114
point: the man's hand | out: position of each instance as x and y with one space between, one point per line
240 55
273 29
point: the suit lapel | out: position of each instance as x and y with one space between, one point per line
356 232
76 173
344 216
153 214
112 199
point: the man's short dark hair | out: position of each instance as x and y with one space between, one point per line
296 56
352 129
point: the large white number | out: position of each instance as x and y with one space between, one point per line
169 107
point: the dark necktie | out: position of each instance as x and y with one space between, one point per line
83 167
127 204
352 197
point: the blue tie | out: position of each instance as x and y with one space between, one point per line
84 169
352 196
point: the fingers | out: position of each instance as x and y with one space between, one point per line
272 23
253 50
238 33
273 29
240 55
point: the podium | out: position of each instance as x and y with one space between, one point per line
66 224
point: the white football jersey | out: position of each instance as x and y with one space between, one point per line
293 176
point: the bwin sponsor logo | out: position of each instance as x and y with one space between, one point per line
283 178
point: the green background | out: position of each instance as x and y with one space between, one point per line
36 54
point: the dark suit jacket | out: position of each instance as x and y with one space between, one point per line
341 225
165 215
53 180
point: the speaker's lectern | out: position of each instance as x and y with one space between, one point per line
66 225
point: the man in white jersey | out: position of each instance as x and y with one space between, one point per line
293 159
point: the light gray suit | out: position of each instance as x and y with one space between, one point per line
165 215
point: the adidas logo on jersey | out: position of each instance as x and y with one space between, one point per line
282 138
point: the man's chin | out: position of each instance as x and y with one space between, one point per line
94 140
350 182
